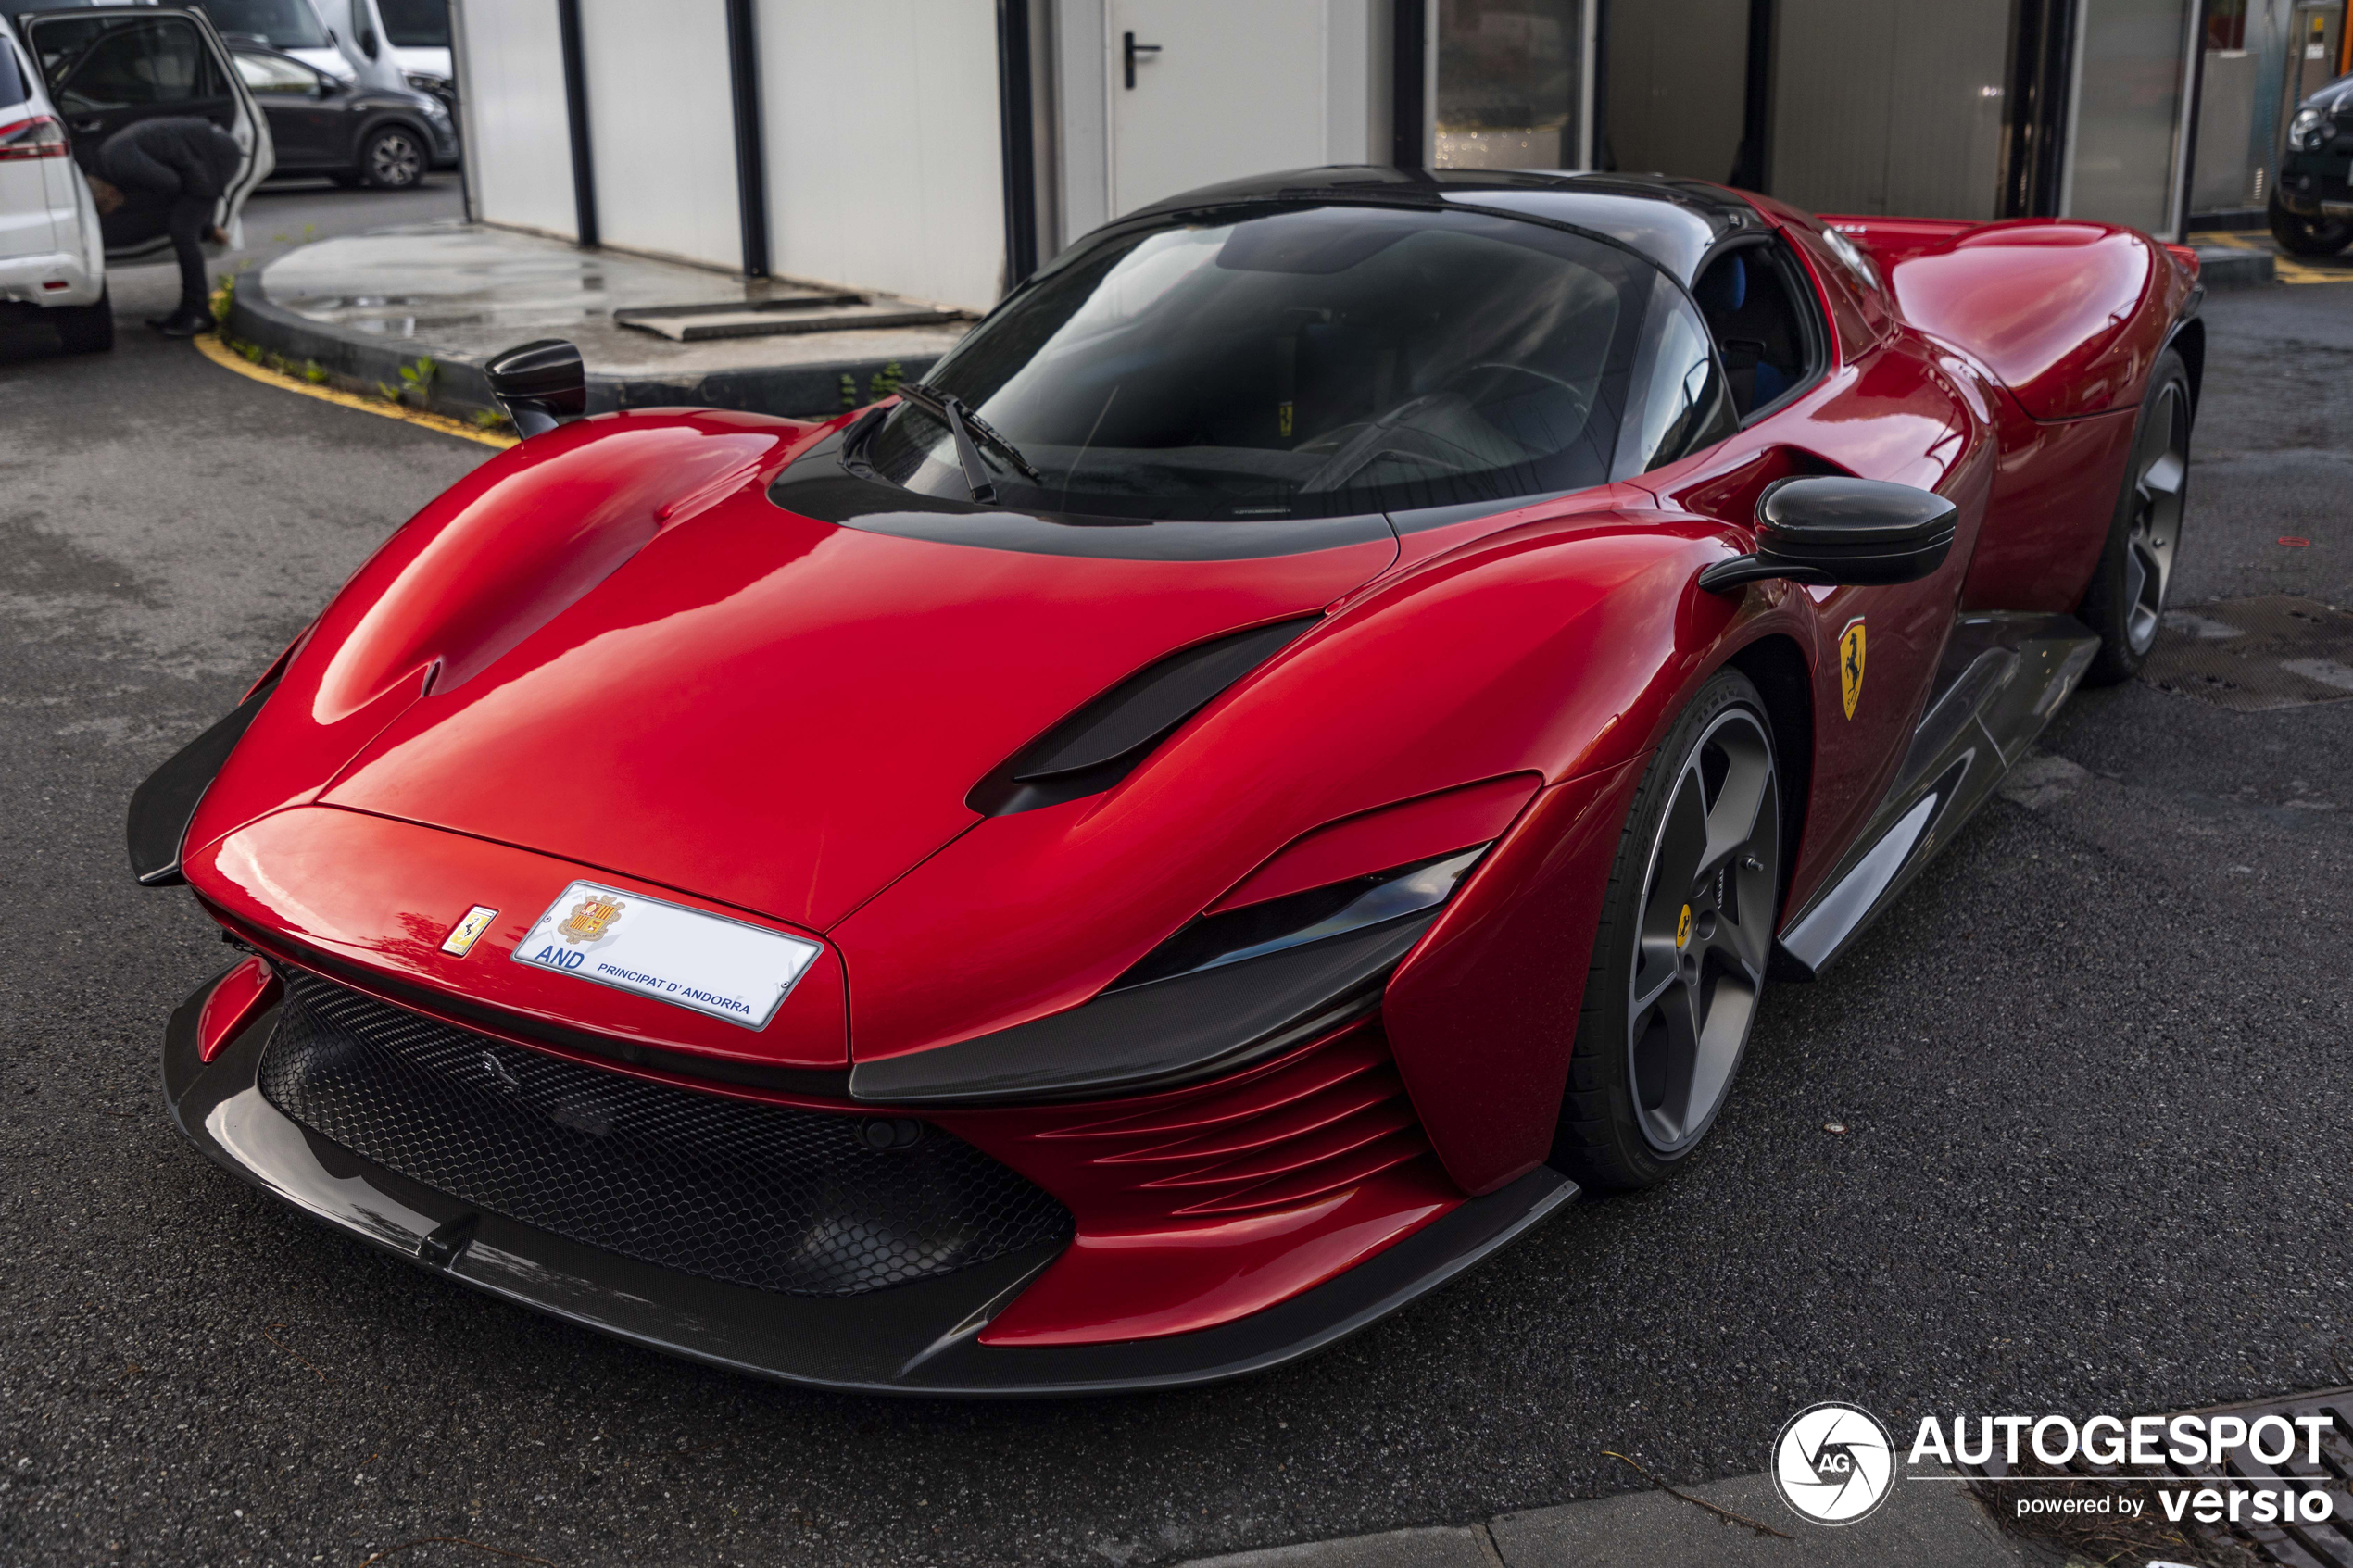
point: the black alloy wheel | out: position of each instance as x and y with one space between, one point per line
2126 601
1678 963
394 160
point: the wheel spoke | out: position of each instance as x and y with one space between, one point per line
1730 1003
1740 801
1666 1095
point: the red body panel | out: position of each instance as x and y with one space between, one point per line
1414 831
1204 1205
1484 1012
1547 648
734 702
607 654
243 995
381 895
2068 315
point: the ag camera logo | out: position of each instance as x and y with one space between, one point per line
1834 1463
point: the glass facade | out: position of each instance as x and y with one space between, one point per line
1511 83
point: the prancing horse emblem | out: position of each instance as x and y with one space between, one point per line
1850 664
591 914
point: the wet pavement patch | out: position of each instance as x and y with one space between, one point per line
2251 655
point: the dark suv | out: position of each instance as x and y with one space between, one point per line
2312 202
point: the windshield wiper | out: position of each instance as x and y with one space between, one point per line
963 426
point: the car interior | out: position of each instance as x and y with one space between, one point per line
1752 310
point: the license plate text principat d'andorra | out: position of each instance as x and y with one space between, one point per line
705 963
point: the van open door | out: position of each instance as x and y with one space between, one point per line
112 66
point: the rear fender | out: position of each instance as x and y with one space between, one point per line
2070 315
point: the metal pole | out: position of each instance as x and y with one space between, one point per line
751 166
583 167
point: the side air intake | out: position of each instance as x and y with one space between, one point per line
1102 742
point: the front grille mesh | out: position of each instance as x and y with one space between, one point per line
764 1195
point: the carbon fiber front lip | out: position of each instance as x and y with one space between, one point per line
911 1339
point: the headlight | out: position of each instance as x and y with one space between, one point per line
2309 130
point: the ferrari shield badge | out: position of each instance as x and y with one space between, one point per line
467 932
593 914
1850 664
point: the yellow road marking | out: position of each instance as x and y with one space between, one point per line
2285 269
211 347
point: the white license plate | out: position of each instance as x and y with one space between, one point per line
706 962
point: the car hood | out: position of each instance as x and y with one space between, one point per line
609 646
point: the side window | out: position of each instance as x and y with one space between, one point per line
135 65
1682 403
274 76
12 87
1762 323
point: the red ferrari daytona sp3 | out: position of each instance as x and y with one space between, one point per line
1293 751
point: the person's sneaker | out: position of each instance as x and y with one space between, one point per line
186 323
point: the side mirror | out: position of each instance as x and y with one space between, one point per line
1843 532
540 384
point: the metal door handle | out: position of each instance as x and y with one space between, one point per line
1130 48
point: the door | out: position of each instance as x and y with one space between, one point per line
308 124
1890 413
1209 90
109 69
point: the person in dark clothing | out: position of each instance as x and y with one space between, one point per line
189 162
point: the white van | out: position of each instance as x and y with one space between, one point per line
71 76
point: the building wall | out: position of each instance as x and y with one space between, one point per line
518 134
883 145
662 127
1890 107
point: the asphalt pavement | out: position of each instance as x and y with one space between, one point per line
2093 1073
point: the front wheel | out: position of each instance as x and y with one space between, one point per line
2126 600
1679 961
2299 235
393 159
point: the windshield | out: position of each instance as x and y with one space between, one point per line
417 24
281 24
1293 362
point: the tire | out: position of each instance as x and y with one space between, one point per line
2299 235
393 159
86 329
2125 602
1677 971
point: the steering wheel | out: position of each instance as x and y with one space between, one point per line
1576 396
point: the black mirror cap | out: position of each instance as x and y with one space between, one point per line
1843 532
540 384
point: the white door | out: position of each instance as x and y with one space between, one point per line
1209 90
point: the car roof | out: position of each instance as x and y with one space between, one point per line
1675 222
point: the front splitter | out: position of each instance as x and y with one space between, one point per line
915 1339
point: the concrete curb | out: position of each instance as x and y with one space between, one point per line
1929 1524
2227 267
357 361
